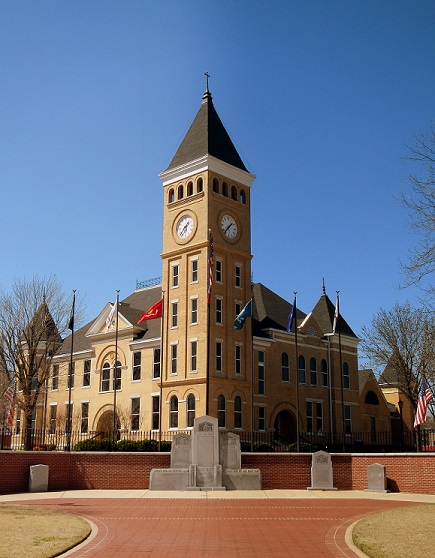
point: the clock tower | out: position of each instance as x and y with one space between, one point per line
206 278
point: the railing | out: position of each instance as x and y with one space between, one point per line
148 283
148 440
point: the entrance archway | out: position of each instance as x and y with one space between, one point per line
285 427
105 425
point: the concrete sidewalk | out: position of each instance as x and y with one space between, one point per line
224 495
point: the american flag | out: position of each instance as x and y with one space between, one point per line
210 267
9 396
424 397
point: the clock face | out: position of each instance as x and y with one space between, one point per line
185 226
229 227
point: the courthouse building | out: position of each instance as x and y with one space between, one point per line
191 360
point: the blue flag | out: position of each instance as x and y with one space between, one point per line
239 322
291 317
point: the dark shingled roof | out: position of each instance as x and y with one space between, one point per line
324 312
270 310
131 308
207 136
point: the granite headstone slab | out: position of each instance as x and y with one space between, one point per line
321 472
377 478
181 451
230 454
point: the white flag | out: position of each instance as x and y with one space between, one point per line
110 320
336 314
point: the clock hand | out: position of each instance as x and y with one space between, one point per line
229 226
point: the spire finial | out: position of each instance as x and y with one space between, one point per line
207 94
206 81
323 286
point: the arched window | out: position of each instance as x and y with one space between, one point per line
346 376
221 411
190 410
199 185
313 371
171 195
180 192
215 185
242 198
324 372
225 189
173 412
105 377
302 370
117 376
190 189
233 193
285 369
237 412
371 398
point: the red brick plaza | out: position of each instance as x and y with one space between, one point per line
134 524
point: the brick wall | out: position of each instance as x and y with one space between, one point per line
99 470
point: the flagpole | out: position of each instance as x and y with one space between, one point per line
297 374
341 371
115 369
162 330
71 327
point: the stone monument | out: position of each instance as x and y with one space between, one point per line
38 478
321 472
377 478
205 461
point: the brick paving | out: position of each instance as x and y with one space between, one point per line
209 528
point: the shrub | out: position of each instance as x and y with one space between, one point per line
263 448
245 446
128 445
94 445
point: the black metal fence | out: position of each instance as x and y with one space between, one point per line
264 441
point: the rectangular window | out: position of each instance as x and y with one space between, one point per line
137 364
238 308
55 378
18 421
347 419
238 277
156 363
219 310
155 412
68 417
174 322
194 311
194 271
86 373
175 272
218 267
314 416
53 417
84 423
173 359
261 418
71 368
261 389
238 359
135 413
218 356
193 355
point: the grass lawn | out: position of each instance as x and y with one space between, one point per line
403 532
29 531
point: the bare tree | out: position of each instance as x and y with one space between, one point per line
33 317
421 206
402 339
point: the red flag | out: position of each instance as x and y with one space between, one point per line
153 313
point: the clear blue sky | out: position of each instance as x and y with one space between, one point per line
319 97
